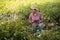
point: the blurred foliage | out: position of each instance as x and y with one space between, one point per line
13 30
18 29
49 9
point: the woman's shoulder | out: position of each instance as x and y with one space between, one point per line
39 13
31 14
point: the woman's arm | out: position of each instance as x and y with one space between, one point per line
41 18
30 18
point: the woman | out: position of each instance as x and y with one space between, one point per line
36 19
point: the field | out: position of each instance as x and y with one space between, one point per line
14 23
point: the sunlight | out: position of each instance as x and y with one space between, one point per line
15 4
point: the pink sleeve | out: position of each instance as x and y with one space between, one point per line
30 18
30 15
41 18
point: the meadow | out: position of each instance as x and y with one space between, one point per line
14 23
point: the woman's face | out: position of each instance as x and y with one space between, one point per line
33 10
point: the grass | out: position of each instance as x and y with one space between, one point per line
19 29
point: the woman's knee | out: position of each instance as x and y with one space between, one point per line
40 26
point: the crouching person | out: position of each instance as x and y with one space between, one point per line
36 19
